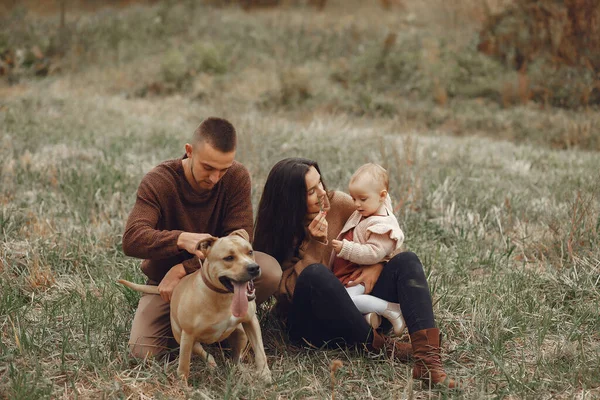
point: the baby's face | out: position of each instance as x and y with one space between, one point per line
366 196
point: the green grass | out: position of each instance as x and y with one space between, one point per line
501 204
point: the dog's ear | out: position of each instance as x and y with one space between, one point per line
241 233
205 244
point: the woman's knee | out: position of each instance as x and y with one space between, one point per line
406 261
321 280
407 258
406 265
313 273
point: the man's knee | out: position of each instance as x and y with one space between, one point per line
144 347
270 269
270 276
151 328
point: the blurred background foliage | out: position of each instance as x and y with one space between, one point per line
488 54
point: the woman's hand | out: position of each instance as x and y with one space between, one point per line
367 275
337 246
168 283
324 203
318 227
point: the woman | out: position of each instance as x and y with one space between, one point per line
297 221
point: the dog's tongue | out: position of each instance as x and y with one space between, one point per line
239 306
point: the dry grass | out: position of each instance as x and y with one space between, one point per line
505 224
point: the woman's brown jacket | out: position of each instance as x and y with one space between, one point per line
312 251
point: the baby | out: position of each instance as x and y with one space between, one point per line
370 236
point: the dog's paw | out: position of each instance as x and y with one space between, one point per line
210 361
183 376
265 375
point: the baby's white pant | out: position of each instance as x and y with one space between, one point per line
365 302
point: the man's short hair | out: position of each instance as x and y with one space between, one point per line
218 132
375 172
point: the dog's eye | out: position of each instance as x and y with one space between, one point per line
250 252
229 258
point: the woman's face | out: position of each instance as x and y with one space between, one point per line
314 190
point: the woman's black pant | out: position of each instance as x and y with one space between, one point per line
323 313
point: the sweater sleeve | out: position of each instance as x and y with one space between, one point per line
191 265
142 239
372 252
238 214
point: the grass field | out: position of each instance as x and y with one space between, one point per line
500 201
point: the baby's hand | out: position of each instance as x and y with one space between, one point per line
337 246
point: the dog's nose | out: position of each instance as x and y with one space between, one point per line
253 269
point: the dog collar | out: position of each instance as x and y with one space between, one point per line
209 283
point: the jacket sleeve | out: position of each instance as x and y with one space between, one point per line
372 252
238 214
293 268
142 239
314 251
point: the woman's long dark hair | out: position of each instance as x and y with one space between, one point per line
282 208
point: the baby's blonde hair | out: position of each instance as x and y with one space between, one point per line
374 171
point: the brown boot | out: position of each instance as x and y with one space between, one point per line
400 351
428 363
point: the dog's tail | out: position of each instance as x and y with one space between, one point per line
150 289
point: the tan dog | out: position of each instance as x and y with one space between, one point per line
215 302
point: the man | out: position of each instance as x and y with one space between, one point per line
180 202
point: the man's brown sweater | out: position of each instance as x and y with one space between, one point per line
167 205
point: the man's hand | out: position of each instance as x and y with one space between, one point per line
367 275
337 245
188 241
168 283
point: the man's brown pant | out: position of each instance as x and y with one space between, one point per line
151 328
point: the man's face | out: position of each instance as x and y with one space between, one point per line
208 165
